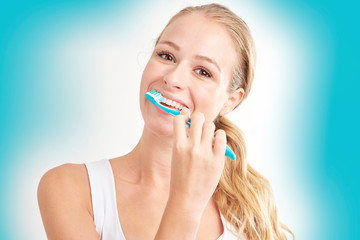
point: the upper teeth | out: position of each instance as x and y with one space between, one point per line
172 103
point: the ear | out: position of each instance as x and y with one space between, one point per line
233 100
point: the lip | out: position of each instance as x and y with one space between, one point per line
171 97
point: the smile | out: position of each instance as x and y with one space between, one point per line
171 103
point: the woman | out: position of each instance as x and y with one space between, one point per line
176 183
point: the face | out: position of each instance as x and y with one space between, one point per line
192 64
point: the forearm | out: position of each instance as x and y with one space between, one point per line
178 223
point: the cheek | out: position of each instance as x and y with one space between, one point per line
147 77
147 73
208 103
154 67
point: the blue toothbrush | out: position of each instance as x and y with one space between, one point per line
155 98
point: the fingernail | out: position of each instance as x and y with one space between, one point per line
185 110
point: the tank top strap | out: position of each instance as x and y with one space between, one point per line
103 197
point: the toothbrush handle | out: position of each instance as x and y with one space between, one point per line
229 153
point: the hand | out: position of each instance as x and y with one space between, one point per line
197 162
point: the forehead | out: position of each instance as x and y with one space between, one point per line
202 35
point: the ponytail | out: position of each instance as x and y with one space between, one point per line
244 197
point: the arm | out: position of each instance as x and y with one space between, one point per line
65 203
178 224
197 164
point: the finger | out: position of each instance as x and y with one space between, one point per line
180 129
197 121
185 112
208 133
219 143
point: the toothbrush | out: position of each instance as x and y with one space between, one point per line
155 98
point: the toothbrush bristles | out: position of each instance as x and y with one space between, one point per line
157 95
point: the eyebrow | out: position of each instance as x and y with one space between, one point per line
177 48
208 60
172 44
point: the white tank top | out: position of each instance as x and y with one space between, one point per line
103 197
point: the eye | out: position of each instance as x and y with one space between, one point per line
166 56
203 72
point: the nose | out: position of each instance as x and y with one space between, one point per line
176 77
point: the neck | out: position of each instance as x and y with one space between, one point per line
150 160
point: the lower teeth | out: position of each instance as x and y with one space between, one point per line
169 106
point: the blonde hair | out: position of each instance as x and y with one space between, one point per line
244 196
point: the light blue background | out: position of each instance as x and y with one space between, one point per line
39 103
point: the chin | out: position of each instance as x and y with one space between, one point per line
163 131
158 122
160 127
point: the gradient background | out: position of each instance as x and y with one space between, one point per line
69 78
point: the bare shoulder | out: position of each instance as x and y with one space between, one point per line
64 199
60 176
68 181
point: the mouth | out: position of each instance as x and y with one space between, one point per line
171 103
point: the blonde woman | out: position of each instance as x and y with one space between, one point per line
176 183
